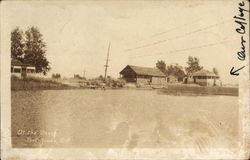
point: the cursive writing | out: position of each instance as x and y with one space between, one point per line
241 29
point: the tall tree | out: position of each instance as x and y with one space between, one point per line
193 65
35 50
215 71
161 65
176 70
17 44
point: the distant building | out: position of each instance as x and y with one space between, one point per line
143 75
20 69
204 78
172 79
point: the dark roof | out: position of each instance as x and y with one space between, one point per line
15 62
204 72
146 71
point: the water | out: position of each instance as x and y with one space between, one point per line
122 118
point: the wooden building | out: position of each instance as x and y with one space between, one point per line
20 69
143 75
204 78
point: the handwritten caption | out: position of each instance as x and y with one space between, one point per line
241 20
41 137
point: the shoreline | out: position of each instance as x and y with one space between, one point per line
199 90
36 84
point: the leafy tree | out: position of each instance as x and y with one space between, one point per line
176 70
29 48
34 52
101 78
17 44
193 65
215 71
161 65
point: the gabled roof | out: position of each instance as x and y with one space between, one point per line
204 72
145 71
15 62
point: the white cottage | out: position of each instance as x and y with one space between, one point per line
20 69
204 78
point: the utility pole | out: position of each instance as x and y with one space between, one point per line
106 65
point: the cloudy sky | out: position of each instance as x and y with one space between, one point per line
77 33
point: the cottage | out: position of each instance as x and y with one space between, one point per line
204 78
143 75
20 69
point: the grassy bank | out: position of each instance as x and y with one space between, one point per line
33 83
199 90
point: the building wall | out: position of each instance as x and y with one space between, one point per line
38 75
205 82
143 81
158 80
190 79
151 80
129 76
129 79
16 74
218 82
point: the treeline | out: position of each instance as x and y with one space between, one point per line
193 65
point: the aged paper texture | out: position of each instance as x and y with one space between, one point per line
125 79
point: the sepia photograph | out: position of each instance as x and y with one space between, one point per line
125 79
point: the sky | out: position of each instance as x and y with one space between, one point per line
77 33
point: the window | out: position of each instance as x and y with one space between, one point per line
17 70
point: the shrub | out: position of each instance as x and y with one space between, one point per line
56 76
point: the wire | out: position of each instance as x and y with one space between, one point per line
187 49
178 27
176 37
184 25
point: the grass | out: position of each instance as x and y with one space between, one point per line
34 83
199 90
